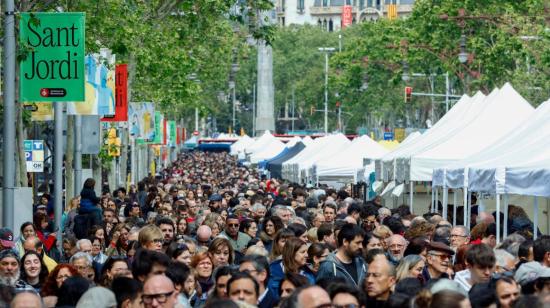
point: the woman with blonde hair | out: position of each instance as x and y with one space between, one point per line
150 237
410 266
68 216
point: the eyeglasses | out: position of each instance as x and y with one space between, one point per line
160 297
507 274
232 225
442 258
158 241
457 235
346 306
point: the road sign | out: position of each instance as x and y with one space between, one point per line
53 69
388 135
34 155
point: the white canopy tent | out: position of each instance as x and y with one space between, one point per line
269 150
260 142
292 142
348 161
307 140
336 144
447 125
291 168
501 115
241 144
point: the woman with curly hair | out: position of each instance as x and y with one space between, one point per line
33 270
270 227
54 281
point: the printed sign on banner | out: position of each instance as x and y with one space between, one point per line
121 97
141 118
347 16
53 70
159 127
172 133
100 87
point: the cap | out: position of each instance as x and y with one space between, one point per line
439 246
531 271
215 197
9 253
6 238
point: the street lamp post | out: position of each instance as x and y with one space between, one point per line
326 50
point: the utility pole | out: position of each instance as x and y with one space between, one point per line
326 50
196 119
8 118
234 107
77 154
293 107
58 167
254 110
447 92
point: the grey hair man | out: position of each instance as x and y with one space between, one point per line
83 262
460 235
84 245
505 261
284 213
27 298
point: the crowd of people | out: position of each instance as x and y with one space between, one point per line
208 232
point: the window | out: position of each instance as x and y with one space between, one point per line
330 25
301 6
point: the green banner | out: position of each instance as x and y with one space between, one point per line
158 128
53 68
172 136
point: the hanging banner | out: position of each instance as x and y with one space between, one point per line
159 127
100 87
121 95
172 128
164 131
53 69
141 118
347 16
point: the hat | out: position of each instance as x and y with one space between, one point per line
249 193
531 271
6 238
41 206
98 297
8 253
215 197
439 246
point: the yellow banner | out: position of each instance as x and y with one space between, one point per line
392 11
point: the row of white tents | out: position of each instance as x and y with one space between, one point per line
495 144
327 157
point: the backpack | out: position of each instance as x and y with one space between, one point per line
82 225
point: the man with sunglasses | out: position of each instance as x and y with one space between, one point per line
480 260
438 261
238 240
159 291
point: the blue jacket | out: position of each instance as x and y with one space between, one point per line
277 274
88 200
332 267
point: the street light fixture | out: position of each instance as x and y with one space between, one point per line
405 76
463 55
326 50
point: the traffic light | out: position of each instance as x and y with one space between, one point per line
408 94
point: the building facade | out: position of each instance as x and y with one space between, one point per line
328 13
